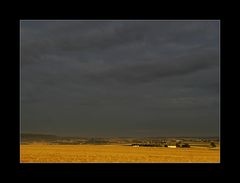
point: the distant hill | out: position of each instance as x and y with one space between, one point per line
28 137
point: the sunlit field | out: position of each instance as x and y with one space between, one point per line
46 153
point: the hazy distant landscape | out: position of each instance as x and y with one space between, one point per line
28 138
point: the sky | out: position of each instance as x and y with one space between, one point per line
120 78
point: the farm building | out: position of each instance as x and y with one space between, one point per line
172 146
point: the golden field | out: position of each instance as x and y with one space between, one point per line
46 153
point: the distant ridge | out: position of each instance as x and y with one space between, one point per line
27 138
37 137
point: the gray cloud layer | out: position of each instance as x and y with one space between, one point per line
120 78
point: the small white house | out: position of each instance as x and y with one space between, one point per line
172 146
136 146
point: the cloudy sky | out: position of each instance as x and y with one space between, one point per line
120 78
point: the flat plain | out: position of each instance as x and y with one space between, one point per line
115 153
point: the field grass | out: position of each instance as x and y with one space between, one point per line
45 153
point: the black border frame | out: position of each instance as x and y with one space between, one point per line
167 170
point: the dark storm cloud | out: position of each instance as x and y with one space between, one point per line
145 72
93 37
114 75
